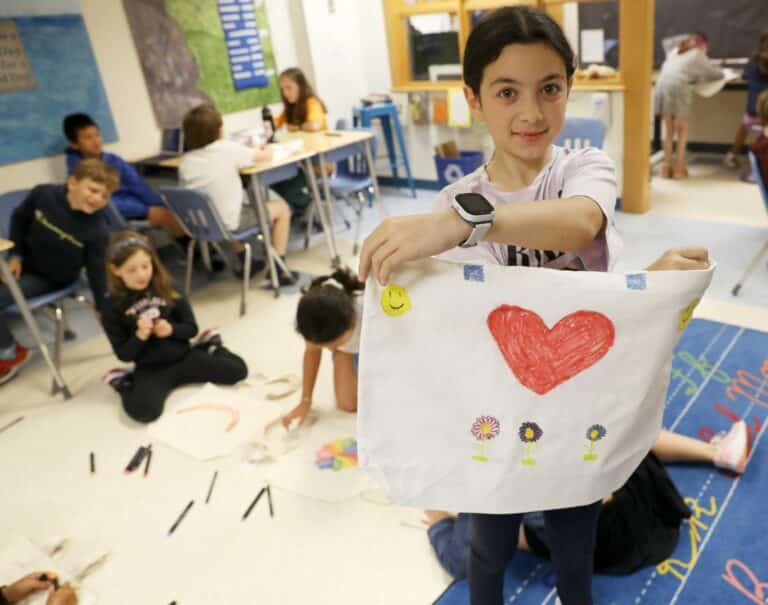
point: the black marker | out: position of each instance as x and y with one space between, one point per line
210 489
149 459
93 464
181 517
136 461
54 581
12 423
255 500
269 499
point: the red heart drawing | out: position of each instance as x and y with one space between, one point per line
542 358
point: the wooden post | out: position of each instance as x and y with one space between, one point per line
636 65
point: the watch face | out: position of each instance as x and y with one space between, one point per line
474 204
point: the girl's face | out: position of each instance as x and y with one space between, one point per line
522 99
289 88
136 270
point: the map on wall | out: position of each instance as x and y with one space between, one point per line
203 51
47 70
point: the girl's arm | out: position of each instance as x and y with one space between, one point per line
315 116
312 356
562 224
183 321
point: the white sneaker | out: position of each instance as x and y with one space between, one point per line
732 448
731 160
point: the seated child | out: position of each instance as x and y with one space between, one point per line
57 230
212 164
760 147
149 323
134 199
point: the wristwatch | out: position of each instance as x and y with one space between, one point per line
474 209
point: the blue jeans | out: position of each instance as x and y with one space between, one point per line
31 285
493 541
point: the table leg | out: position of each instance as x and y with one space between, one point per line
21 302
324 220
335 260
374 180
257 199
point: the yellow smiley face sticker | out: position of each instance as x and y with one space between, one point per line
395 300
686 315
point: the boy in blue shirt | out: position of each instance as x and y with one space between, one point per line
134 199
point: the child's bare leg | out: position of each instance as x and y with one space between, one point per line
280 216
681 126
673 447
669 141
522 543
345 381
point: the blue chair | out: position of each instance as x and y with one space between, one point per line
202 222
764 194
386 113
52 301
579 133
352 179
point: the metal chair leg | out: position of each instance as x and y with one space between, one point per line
190 260
752 266
359 211
246 277
58 314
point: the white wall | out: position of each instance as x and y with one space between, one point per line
118 62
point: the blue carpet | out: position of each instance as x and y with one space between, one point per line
720 373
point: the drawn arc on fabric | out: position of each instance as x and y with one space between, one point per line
543 358
217 407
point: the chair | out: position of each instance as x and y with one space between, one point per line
352 177
115 221
579 133
764 194
52 301
202 222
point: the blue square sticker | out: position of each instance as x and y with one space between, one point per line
474 273
636 281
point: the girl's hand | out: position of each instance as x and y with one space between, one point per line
162 329
63 596
22 588
433 516
14 264
682 259
403 238
144 327
300 412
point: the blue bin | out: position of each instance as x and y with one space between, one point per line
450 170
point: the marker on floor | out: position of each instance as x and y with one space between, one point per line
255 500
210 489
93 463
10 424
181 517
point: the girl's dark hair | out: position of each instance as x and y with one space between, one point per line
511 25
296 113
327 310
124 245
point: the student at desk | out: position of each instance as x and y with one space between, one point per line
303 110
212 164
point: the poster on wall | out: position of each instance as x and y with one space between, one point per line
47 70
203 51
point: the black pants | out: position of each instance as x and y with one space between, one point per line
493 541
145 399
31 285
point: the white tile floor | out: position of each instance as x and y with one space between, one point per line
354 552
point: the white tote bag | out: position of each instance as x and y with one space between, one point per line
497 389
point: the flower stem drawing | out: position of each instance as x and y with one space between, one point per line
529 433
484 428
594 434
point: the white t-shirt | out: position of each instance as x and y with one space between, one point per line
352 346
580 172
215 169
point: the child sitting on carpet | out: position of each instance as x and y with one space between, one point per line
151 324
328 317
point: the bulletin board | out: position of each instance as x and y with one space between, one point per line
47 70
203 51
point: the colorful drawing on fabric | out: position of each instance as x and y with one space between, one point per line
542 358
686 315
700 365
234 413
529 433
395 300
756 591
484 428
594 434
677 567
337 455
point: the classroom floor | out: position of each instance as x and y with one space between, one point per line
359 551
